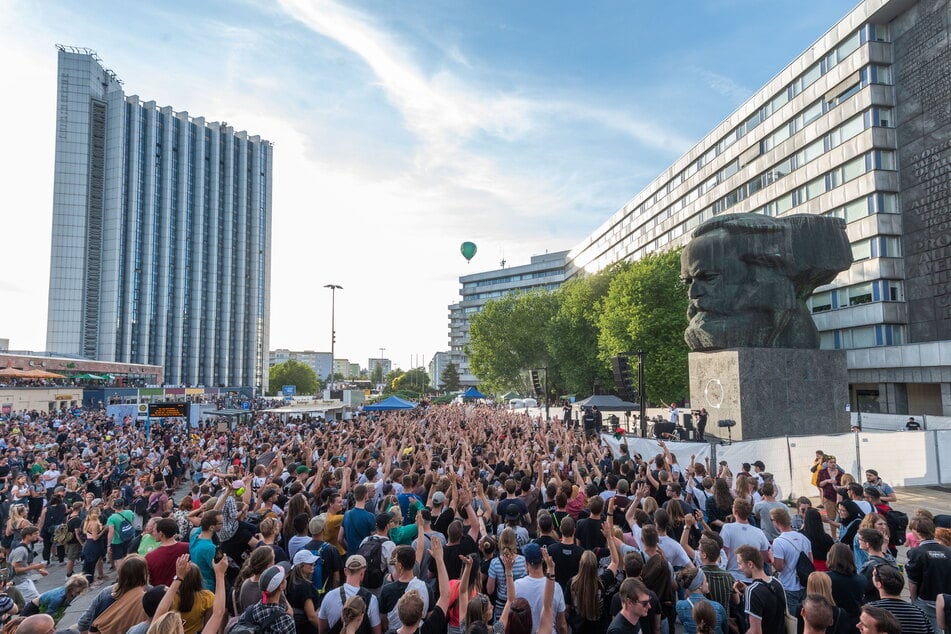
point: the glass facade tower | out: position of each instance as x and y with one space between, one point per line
161 234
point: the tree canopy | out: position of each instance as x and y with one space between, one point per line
449 378
295 373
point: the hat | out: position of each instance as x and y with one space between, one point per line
356 562
383 520
317 524
271 579
532 553
759 463
511 512
303 469
439 497
304 557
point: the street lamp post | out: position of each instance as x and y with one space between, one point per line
382 369
333 332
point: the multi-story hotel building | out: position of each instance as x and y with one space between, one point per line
858 127
161 234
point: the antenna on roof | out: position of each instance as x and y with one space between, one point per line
502 257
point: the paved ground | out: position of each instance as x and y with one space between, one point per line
935 499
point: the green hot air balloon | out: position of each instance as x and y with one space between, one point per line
468 250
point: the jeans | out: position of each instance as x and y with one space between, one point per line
928 607
794 601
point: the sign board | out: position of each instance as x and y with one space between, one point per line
168 410
289 390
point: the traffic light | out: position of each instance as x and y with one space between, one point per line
624 379
536 384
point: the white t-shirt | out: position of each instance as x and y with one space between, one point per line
787 547
533 591
735 535
674 552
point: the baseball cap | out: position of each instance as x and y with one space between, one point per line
271 579
511 512
759 463
439 497
532 553
317 524
356 562
304 557
383 520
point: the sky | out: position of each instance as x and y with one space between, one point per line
400 130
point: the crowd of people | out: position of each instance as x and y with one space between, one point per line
455 518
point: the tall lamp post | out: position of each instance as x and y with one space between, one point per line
382 369
333 332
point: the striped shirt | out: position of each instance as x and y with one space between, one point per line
911 618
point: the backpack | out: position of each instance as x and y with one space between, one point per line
318 577
897 526
804 567
62 535
126 529
365 625
154 505
372 550
246 626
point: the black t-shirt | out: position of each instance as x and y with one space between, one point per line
391 593
767 601
620 625
73 524
466 546
442 521
567 557
589 534
647 622
297 594
333 562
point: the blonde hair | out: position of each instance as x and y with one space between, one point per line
77 584
847 479
168 623
820 583
354 608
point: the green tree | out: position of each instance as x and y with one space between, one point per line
645 308
416 380
508 337
377 375
295 373
449 379
573 335
391 378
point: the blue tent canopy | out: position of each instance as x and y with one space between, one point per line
391 403
472 392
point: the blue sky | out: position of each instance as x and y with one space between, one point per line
401 129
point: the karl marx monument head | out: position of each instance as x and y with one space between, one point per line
749 275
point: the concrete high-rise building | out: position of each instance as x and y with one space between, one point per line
161 234
386 364
436 366
545 272
319 361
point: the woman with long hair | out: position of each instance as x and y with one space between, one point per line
168 623
850 515
301 593
94 544
246 590
21 490
15 523
820 583
297 505
744 488
848 586
658 576
693 581
705 617
587 613
119 606
719 505
814 530
52 516
182 519
192 601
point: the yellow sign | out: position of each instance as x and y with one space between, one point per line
64 397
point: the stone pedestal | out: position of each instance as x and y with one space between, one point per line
771 391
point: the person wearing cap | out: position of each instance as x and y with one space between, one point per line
383 523
331 610
301 593
513 520
758 468
442 513
270 616
332 561
532 588
873 481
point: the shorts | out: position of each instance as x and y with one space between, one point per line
73 551
120 550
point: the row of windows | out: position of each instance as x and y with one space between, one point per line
864 293
862 337
512 278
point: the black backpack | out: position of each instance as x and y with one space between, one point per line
365 625
897 526
372 550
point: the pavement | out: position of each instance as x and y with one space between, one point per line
934 498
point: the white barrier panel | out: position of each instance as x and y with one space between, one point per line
901 458
772 451
648 448
937 422
802 452
881 422
943 441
